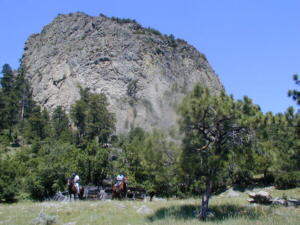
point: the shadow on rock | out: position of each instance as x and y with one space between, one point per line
217 213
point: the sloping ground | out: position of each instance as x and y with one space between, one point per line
226 210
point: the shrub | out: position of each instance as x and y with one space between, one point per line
122 21
8 183
153 31
286 180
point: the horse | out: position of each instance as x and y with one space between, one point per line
73 190
119 190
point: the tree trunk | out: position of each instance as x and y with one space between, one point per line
205 199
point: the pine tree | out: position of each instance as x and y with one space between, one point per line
9 99
92 118
295 94
7 81
24 95
215 129
60 123
39 127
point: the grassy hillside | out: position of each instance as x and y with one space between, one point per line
234 210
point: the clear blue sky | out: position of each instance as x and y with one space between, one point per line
254 46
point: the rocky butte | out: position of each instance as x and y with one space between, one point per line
143 73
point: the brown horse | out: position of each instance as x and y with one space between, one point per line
73 190
119 190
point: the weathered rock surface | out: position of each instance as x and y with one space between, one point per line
143 73
262 197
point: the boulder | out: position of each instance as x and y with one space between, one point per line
261 197
286 202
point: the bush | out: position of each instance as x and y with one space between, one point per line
286 180
242 178
8 183
52 163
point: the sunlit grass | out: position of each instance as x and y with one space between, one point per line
226 210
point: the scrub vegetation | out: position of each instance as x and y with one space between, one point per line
221 142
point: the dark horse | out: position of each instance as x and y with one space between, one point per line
73 190
119 190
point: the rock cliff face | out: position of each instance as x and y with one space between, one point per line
143 73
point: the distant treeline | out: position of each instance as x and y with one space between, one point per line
220 142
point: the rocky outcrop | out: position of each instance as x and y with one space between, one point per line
143 73
263 197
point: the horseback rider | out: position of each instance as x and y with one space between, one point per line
76 181
120 178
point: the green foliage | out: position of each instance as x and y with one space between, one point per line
225 142
149 160
48 165
93 163
278 143
286 180
38 125
24 94
216 129
61 125
295 94
92 118
122 21
15 99
8 110
9 187
153 31
7 80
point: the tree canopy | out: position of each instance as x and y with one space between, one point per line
215 128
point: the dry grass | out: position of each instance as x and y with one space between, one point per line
227 211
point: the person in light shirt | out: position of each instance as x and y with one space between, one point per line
120 178
76 180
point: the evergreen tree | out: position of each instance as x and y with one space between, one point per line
60 124
93 163
130 161
38 124
8 181
3 121
295 94
92 118
149 160
48 166
78 115
15 98
215 129
24 95
7 80
9 112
